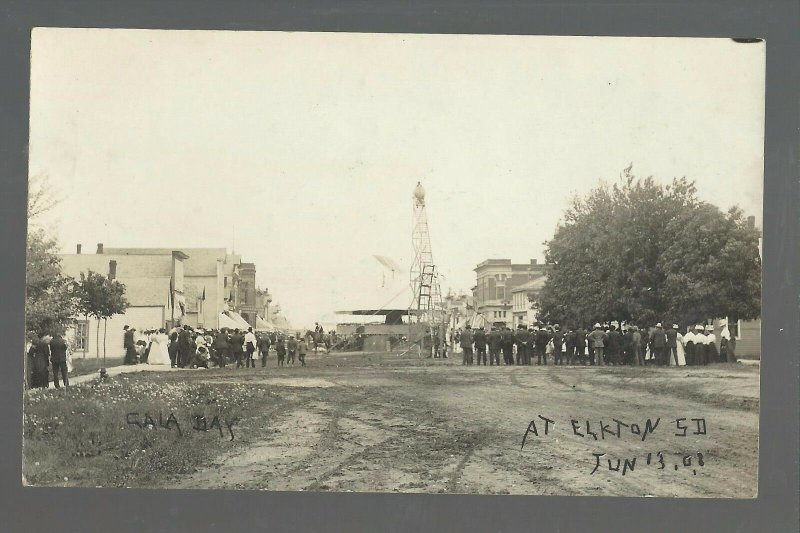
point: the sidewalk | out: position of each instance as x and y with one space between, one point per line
116 370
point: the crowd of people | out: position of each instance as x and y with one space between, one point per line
180 347
604 344
188 347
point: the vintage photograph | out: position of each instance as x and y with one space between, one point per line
352 262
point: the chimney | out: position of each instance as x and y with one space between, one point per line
79 249
751 222
99 247
112 270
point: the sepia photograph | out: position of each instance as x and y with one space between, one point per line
394 263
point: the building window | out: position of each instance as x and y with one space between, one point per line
81 336
501 293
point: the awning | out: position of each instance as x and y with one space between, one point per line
227 322
232 320
264 325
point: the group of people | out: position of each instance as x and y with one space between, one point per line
187 347
605 344
44 353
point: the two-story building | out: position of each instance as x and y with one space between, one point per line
209 279
523 300
495 281
154 287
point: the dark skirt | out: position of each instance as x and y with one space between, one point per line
700 354
130 355
712 356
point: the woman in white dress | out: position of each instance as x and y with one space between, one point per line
681 351
158 349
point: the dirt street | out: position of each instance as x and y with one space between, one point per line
380 423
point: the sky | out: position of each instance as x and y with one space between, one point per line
301 150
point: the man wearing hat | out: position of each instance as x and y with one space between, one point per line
658 342
508 346
597 340
466 345
291 349
542 338
613 345
480 345
569 343
671 335
580 345
636 346
523 338
495 343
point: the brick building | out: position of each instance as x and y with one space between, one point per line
495 281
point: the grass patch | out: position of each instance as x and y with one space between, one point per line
92 365
81 436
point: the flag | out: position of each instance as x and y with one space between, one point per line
204 294
171 294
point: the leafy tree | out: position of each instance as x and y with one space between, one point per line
100 298
49 301
638 250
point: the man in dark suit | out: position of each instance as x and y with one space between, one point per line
672 344
523 340
613 346
480 345
508 346
466 345
58 359
495 342
237 347
542 338
172 349
185 351
263 349
220 348
658 342
580 344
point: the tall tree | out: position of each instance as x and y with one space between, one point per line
101 298
49 300
638 250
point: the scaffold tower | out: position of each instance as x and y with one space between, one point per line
427 306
